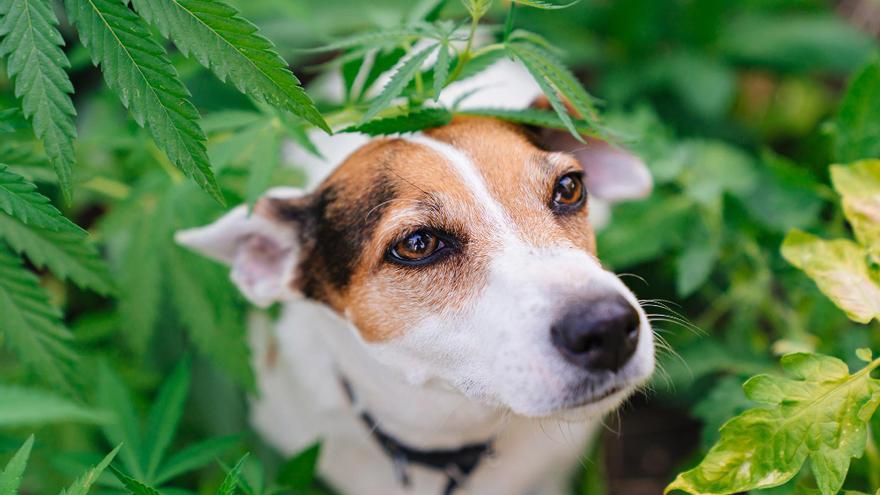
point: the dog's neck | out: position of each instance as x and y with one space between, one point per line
426 414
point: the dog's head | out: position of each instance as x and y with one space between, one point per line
462 254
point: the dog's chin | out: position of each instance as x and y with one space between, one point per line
586 407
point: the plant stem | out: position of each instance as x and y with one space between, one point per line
466 54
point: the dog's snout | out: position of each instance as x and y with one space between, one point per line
598 334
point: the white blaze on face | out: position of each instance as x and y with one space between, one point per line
497 347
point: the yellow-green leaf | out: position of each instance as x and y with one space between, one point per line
840 269
859 185
819 412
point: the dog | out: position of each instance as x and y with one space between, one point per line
446 325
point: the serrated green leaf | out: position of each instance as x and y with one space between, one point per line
123 427
543 64
533 117
207 306
230 482
132 485
69 255
136 67
536 67
859 185
21 200
543 5
820 414
221 40
840 269
398 81
417 120
140 276
441 69
477 8
857 125
164 417
30 40
82 485
194 456
10 477
264 161
32 407
30 325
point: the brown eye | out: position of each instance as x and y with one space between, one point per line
417 248
569 193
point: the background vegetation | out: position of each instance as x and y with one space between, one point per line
125 356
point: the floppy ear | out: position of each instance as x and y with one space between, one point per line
613 174
261 249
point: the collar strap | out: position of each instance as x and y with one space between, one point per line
456 464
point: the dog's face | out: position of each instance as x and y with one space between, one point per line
463 254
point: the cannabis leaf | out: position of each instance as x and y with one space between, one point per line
132 485
10 477
544 5
30 325
553 81
82 485
441 69
416 120
30 39
69 255
21 200
534 117
221 40
144 454
27 406
546 67
137 69
398 82
230 482
820 413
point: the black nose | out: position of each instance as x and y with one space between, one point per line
598 334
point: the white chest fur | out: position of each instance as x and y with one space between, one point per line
299 360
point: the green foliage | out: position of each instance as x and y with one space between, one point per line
736 107
821 413
10 477
298 472
844 270
31 326
220 39
20 199
857 127
30 407
137 68
32 44
420 119
84 483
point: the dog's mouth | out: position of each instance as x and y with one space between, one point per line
593 398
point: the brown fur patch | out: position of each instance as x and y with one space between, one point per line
392 187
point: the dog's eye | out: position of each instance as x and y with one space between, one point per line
569 193
419 247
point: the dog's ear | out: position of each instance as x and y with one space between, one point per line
260 246
612 173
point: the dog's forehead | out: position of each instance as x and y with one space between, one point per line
479 179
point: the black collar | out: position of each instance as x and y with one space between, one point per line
456 464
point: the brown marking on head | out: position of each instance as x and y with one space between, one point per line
392 187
